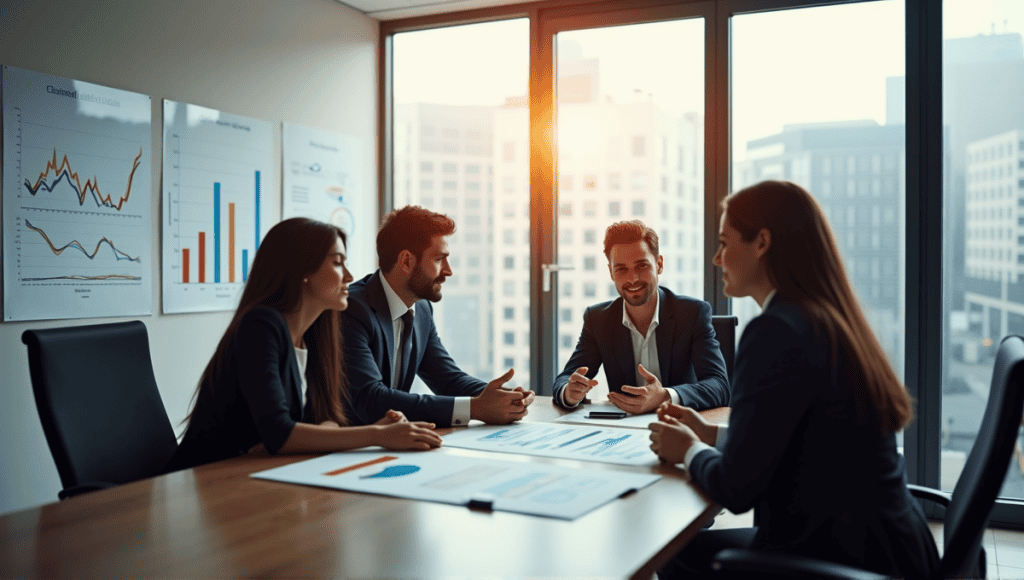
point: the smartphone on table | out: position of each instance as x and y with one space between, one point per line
607 415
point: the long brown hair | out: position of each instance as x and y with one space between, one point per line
292 250
803 264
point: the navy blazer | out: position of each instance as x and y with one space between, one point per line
369 348
688 353
255 395
823 480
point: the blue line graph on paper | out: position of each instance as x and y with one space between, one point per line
587 443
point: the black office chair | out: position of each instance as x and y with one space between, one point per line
99 405
967 508
725 331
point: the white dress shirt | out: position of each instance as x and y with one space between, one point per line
301 355
461 409
645 348
645 351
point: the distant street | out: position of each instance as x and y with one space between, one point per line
962 411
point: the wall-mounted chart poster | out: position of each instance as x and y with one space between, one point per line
322 171
217 166
76 199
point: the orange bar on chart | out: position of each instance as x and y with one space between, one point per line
202 257
184 265
231 242
361 465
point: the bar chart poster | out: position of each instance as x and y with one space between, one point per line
217 168
77 193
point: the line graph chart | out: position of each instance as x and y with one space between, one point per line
76 199
63 171
118 254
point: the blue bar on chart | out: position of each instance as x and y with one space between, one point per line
216 233
245 265
257 211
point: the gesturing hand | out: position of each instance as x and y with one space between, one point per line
498 406
642 399
578 387
417 435
670 439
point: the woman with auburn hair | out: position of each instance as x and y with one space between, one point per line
281 351
811 445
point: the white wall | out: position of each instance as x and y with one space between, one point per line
309 62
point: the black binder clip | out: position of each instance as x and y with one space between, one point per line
482 502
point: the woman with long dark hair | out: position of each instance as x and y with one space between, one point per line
811 444
281 351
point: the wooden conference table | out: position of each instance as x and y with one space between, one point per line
216 521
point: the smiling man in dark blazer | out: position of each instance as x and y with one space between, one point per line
412 249
655 346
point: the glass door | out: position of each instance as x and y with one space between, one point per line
629 102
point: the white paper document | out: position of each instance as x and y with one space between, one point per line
603 444
526 488
630 421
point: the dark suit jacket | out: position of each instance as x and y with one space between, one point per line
822 479
688 353
255 396
369 347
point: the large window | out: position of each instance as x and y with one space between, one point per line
983 217
460 118
813 91
831 120
620 112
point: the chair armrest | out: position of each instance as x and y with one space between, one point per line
940 497
737 562
84 488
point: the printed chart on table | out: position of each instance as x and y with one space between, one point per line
602 444
512 486
76 199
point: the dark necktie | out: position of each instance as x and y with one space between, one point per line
404 348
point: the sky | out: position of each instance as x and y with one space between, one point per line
794 66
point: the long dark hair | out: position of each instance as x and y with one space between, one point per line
292 250
803 264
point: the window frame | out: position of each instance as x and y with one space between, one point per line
924 176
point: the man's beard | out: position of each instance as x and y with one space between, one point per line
647 295
423 286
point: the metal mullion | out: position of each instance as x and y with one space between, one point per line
717 150
543 219
924 237
386 120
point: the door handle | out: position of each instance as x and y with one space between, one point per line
547 269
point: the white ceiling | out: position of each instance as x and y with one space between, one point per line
394 9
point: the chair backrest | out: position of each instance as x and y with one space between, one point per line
986 466
98 402
725 331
